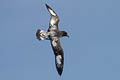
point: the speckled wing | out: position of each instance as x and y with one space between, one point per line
54 19
59 55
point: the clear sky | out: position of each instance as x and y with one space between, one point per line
91 53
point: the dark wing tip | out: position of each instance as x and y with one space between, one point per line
51 11
47 6
60 71
38 34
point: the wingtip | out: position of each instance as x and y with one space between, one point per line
60 70
47 5
51 11
60 73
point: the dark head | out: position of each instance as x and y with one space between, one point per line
65 34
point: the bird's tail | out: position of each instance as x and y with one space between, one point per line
42 35
52 12
59 61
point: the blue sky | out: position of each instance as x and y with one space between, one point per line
91 53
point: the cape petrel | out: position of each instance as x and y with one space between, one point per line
54 34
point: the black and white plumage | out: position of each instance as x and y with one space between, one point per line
54 34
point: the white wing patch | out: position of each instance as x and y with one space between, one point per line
58 59
52 22
54 43
52 12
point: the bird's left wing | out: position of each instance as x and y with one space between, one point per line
54 19
59 54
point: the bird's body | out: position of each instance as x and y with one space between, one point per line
54 34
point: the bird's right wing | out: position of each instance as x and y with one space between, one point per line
59 55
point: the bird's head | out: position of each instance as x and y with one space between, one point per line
65 34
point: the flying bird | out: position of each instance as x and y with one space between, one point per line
54 34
